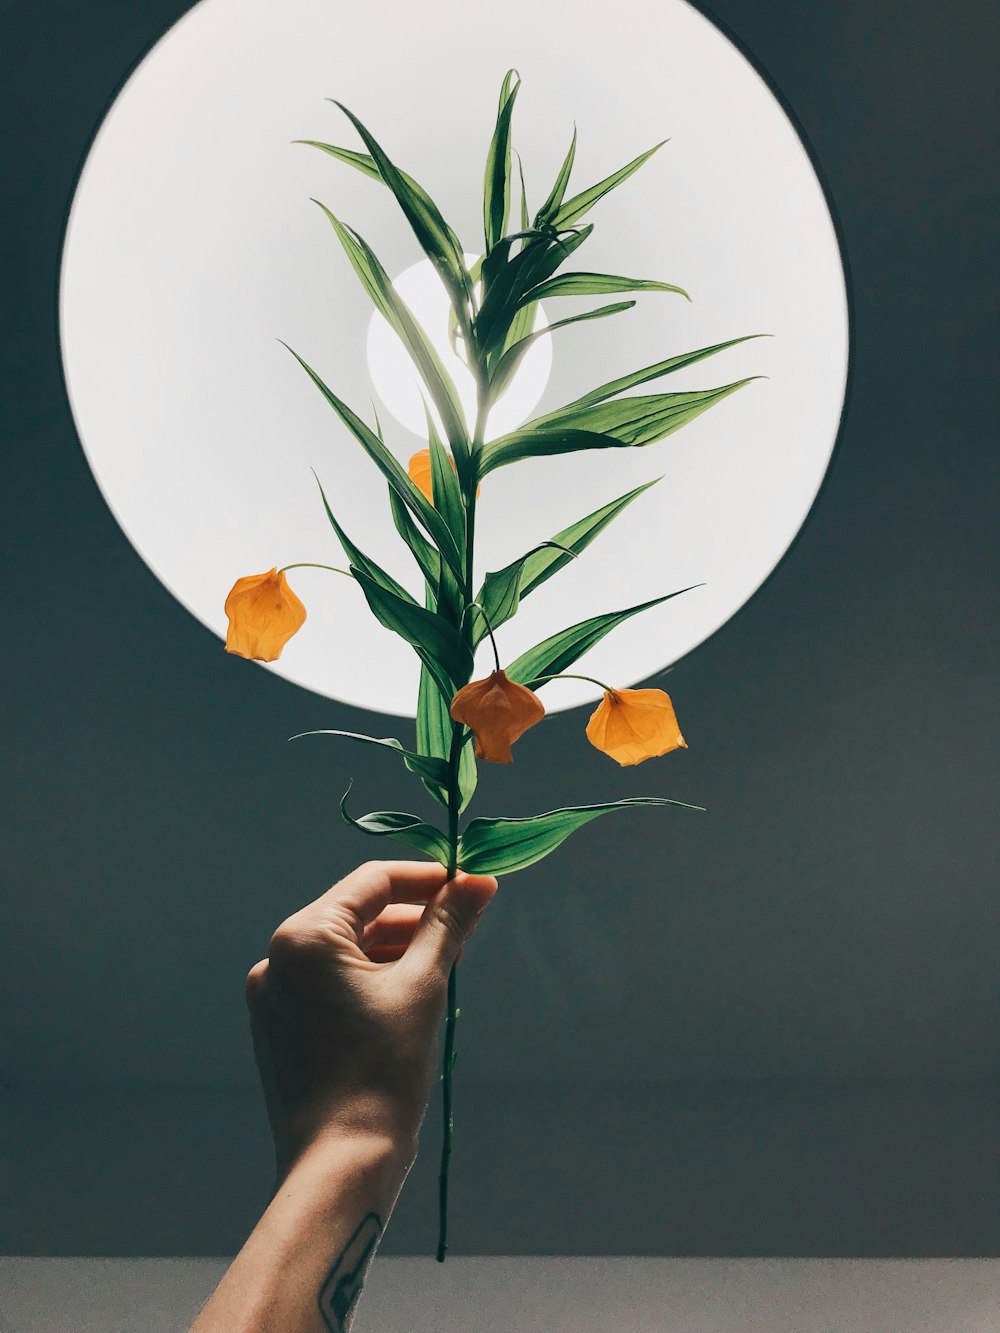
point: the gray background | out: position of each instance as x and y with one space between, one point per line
767 1030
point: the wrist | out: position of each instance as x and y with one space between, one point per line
356 1143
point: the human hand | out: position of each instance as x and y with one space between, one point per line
344 1011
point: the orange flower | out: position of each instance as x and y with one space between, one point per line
634 725
498 710
420 472
263 614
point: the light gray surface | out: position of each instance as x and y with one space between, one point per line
568 1295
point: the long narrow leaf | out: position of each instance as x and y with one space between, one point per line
553 203
524 317
558 652
401 827
389 465
437 239
530 443
439 645
424 765
641 418
540 564
496 182
358 558
537 261
444 485
501 592
511 358
596 284
434 732
501 846
423 552
573 209
653 372
363 162
623 423
390 304
449 591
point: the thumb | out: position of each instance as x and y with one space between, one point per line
448 921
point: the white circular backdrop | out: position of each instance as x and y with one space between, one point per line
192 247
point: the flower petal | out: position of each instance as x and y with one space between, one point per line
263 614
634 725
420 472
499 711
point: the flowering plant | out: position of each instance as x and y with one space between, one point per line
460 720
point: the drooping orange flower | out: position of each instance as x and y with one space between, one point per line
420 472
634 725
263 614
498 710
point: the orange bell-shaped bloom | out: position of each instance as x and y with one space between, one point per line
633 725
263 614
420 472
498 710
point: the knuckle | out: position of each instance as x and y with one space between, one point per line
290 940
255 983
446 917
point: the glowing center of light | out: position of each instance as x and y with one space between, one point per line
396 379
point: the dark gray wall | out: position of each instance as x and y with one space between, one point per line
834 918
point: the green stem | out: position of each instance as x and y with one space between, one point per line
454 802
307 565
568 675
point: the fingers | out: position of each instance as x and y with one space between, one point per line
393 926
363 895
447 923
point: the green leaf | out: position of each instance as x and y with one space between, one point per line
531 443
444 485
424 765
501 591
524 317
619 423
639 419
552 205
539 565
496 183
390 467
357 557
450 595
423 552
437 239
654 371
560 651
574 208
408 829
596 284
439 645
475 273
525 223
511 358
434 732
501 846
364 162
537 261
399 316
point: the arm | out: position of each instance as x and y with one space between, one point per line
344 1016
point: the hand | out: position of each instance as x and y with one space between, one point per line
345 1010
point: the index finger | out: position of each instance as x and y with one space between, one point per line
365 892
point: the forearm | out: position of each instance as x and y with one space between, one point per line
303 1266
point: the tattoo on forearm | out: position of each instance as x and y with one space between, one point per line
339 1293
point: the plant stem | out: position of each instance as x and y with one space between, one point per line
569 675
454 802
307 564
